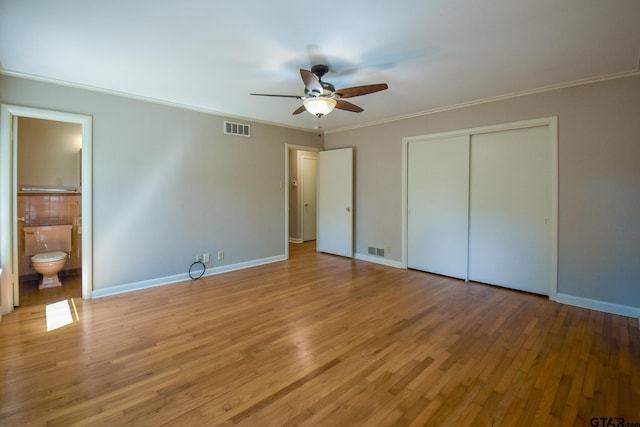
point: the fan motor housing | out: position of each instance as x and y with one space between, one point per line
320 70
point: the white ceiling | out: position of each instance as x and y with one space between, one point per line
210 55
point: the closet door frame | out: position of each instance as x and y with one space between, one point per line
552 124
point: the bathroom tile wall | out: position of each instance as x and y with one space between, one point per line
50 209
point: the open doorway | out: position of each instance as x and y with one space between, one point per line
49 195
300 197
45 181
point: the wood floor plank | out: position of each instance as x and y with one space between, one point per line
319 340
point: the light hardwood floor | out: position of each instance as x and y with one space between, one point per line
322 341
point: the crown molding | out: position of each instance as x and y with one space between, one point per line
493 99
142 98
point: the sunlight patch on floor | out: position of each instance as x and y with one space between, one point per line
59 314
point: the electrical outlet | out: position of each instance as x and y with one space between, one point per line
220 255
205 258
198 258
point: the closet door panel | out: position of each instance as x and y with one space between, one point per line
437 197
510 209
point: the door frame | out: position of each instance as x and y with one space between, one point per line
552 123
9 283
303 185
287 149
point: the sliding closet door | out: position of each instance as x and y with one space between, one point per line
437 199
510 209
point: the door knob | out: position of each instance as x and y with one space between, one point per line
21 218
348 209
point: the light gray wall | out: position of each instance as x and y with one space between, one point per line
168 184
599 180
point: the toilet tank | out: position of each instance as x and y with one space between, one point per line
47 238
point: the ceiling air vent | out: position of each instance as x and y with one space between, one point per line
236 129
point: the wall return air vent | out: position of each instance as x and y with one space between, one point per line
232 128
376 251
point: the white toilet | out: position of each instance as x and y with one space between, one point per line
49 247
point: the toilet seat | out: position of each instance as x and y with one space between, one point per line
49 257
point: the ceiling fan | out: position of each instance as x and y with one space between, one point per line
320 98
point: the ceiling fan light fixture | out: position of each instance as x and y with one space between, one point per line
320 106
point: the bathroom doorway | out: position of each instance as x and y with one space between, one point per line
45 180
49 194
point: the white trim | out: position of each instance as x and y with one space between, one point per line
6 211
1 307
8 195
511 95
552 123
521 124
378 260
295 240
553 135
607 307
168 280
404 209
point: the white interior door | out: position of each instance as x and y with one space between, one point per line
510 209
309 174
437 198
335 200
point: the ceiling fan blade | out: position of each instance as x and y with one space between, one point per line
361 90
344 105
279 96
311 82
299 110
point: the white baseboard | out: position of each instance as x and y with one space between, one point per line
295 240
378 260
161 281
607 307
